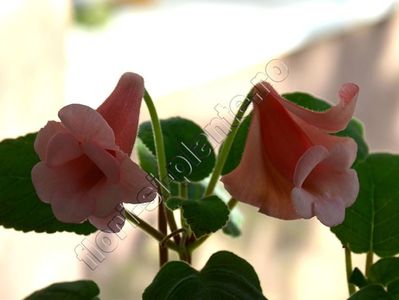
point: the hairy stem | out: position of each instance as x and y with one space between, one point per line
183 193
184 253
163 173
232 203
171 235
159 236
225 148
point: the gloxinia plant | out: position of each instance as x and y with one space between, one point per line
85 170
304 170
293 156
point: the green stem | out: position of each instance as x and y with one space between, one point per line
225 148
184 253
183 190
221 160
232 203
159 146
369 262
183 193
159 236
163 173
349 269
198 242
170 235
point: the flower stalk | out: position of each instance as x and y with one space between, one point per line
226 146
156 234
369 262
164 215
349 269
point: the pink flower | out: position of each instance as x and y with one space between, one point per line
292 167
85 170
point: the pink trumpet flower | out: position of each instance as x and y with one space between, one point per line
292 167
85 170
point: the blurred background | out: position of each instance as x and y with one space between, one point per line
193 56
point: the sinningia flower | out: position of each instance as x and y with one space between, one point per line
85 170
292 167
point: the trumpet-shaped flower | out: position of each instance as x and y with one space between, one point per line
292 167
85 170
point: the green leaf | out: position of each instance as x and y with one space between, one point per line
20 208
147 160
225 276
357 278
355 130
371 224
385 270
236 220
174 203
237 149
204 216
195 190
231 228
393 289
189 154
77 290
308 101
371 292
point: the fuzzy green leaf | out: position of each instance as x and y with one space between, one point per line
189 154
77 290
371 292
225 276
204 216
371 223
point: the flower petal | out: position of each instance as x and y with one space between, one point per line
334 119
121 110
44 136
323 175
257 182
107 197
87 125
308 161
71 207
283 140
342 154
330 183
44 182
328 173
67 198
103 160
112 223
138 189
62 147
346 146
330 212
303 202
